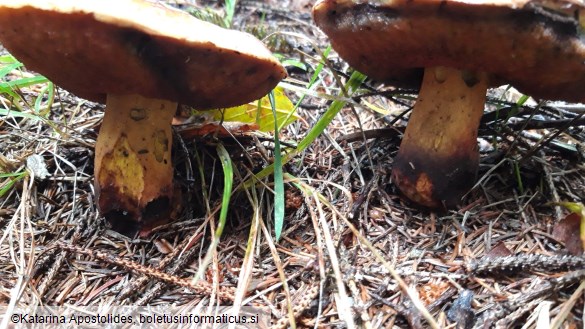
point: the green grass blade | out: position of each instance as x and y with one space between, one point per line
293 62
518 177
228 179
310 84
522 100
278 179
11 174
8 68
49 90
354 82
230 8
12 178
8 59
320 66
10 88
10 93
24 82
18 114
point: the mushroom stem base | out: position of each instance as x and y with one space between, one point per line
438 159
133 167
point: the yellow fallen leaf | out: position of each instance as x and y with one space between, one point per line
260 113
375 108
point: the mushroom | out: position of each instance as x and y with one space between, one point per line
142 59
457 49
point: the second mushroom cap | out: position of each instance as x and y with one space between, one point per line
535 45
463 47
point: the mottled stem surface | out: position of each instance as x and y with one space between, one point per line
133 167
438 159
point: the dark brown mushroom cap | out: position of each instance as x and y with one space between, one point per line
94 48
537 46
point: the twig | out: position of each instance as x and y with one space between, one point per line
544 142
300 305
521 263
140 282
200 287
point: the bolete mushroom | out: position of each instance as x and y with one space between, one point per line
463 47
140 58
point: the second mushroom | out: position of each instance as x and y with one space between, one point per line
142 59
456 49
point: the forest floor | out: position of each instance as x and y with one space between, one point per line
353 252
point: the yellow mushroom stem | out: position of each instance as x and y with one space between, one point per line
438 159
133 167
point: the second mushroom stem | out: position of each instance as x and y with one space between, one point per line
133 167
438 159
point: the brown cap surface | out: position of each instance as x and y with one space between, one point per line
98 47
537 46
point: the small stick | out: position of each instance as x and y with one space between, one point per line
521 263
300 306
200 287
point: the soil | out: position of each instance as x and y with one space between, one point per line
353 252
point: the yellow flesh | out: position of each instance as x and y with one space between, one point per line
133 156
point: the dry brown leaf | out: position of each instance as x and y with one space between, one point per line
500 250
567 231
